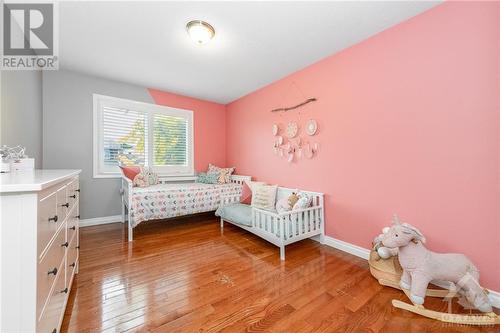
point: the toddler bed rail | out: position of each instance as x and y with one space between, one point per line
284 228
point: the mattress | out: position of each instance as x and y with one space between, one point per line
164 201
237 213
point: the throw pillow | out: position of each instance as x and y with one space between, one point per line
213 168
130 171
303 202
247 190
282 205
264 197
246 194
253 184
286 204
201 177
224 174
207 178
212 178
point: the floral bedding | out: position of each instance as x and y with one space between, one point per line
163 201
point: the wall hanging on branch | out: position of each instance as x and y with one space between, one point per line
290 144
290 108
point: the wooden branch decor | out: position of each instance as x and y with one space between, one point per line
307 101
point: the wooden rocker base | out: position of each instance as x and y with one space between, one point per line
441 293
463 319
454 318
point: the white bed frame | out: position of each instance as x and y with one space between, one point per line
305 223
126 191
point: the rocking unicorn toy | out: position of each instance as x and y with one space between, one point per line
420 266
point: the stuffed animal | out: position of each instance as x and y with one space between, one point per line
145 178
304 201
140 180
421 266
382 251
286 204
292 199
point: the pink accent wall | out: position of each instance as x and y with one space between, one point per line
209 127
409 124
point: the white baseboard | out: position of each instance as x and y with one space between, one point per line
364 253
100 220
358 251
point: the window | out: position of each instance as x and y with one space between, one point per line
135 133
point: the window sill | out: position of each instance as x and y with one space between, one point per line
176 178
164 178
104 176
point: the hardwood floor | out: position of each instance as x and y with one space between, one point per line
187 276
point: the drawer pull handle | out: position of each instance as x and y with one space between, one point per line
73 228
64 291
72 265
77 190
65 205
73 196
78 216
53 218
65 244
77 247
54 271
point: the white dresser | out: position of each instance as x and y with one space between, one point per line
38 248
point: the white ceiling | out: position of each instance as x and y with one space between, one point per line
256 43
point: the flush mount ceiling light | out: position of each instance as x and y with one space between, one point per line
200 31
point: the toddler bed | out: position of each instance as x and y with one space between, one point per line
167 199
279 229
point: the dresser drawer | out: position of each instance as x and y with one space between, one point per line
62 203
50 263
48 221
72 258
73 224
51 317
72 191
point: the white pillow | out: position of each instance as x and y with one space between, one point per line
253 185
264 196
285 204
282 205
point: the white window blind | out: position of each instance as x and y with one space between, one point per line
125 135
134 133
170 140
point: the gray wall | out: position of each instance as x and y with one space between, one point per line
67 133
21 111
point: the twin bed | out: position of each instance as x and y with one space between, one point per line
167 200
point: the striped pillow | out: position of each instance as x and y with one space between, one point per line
264 197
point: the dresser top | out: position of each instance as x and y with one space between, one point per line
34 180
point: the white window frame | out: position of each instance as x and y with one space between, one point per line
149 110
